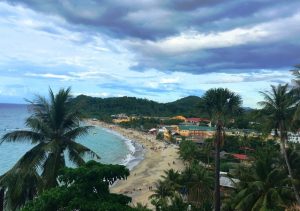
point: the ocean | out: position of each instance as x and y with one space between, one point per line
111 147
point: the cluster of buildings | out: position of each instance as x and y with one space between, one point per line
196 129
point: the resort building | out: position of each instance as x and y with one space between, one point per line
194 130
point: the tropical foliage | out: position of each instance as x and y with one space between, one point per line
102 108
194 186
279 106
188 150
53 128
84 188
262 186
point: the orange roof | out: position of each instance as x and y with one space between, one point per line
179 117
240 156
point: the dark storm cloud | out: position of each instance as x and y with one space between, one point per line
121 18
142 21
230 60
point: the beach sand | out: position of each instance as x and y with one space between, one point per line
158 157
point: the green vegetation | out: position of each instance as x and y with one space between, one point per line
262 186
189 151
194 184
84 188
93 107
53 129
279 107
143 124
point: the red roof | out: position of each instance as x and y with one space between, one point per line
240 156
194 119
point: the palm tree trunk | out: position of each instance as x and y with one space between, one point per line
290 171
283 138
217 167
1 199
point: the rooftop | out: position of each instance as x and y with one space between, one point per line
240 156
195 127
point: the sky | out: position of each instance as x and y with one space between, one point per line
153 49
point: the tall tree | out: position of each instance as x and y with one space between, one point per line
199 183
220 104
53 128
1 199
279 106
163 193
296 93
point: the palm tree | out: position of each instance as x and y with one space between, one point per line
172 177
220 104
263 186
1 199
162 193
199 183
54 126
296 73
279 106
296 92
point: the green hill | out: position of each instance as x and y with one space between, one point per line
100 107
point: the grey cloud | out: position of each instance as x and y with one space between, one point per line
238 59
110 17
154 20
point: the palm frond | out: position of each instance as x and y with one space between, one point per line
23 136
81 150
77 132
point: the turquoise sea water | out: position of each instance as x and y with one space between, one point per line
111 147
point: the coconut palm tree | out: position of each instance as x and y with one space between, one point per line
162 193
279 106
296 73
199 183
296 92
263 186
172 177
53 128
220 104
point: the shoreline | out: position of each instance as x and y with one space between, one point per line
157 157
137 151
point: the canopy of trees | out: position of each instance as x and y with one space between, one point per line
84 188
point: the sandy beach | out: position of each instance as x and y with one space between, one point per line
157 158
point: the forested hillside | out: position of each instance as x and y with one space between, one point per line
99 107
